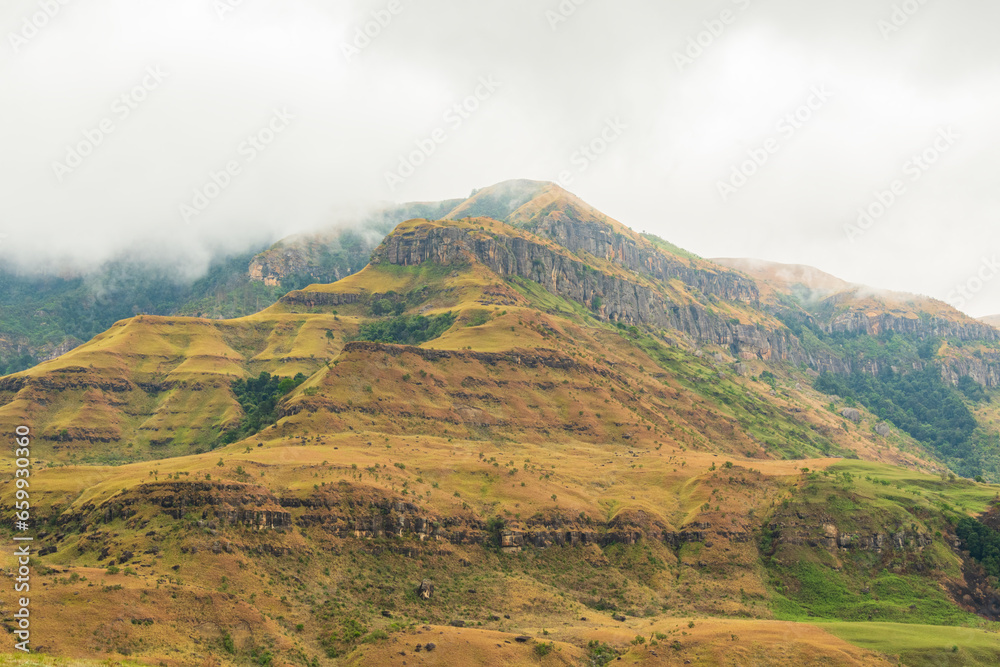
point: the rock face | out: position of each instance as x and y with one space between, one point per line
360 512
851 413
319 299
323 258
231 503
878 323
601 241
639 301
830 537
328 256
621 300
424 592
984 368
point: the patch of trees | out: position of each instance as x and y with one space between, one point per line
972 390
406 329
259 397
16 364
920 403
982 543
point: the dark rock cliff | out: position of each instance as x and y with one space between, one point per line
621 300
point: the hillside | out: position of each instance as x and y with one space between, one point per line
45 315
522 434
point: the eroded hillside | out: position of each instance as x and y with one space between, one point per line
538 438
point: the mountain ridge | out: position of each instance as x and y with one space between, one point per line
498 428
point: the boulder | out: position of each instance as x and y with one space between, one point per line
851 413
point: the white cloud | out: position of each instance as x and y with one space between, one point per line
609 59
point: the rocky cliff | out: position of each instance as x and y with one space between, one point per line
601 240
919 326
619 300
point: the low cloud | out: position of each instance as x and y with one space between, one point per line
70 72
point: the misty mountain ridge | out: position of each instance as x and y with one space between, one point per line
49 313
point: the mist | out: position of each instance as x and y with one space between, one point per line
857 137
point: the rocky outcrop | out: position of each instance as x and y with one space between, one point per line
620 300
830 537
922 327
851 413
320 299
231 503
322 258
600 240
359 512
983 367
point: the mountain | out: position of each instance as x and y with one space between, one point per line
327 256
522 434
45 315
992 320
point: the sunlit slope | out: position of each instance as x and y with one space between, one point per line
152 384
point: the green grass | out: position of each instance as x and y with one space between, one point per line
669 247
776 429
855 584
962 494
923 645
828 594
548 302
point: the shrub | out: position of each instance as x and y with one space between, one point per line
543 649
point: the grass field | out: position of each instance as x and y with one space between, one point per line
924 645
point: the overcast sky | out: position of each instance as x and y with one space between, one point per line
188 125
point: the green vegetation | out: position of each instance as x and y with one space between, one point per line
669 247
44 311
259 398
911 510
600 654
972 390
919 403
923 645
406 330
982 542
542 649
775 429
812 590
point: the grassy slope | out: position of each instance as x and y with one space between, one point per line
622 433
